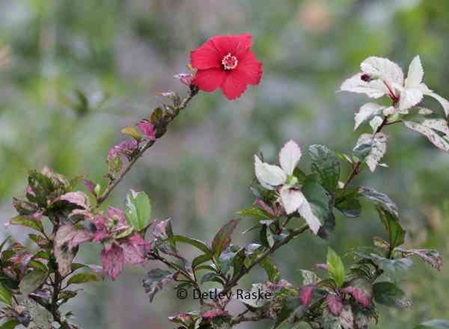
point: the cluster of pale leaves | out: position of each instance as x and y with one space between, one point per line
380 77
281 179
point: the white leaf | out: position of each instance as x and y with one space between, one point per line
289 157
305 210
409 98
372 148
269 176
383 68
376 122
389 111
415 73
373 88
444 103
291 199
436 130
378 149
367 112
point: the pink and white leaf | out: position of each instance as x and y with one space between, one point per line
78 198
112 260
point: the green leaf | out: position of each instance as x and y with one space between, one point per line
82 278
335 267
211 277
41 186
380 199
395 232
389 294
65 295
254 212
37 265
318 198
273 273
5 295
11 324
221 322
31 223
266 237
326 164
222 239
200 260
238 262
347 201
320 202
132 132
435 324
138 210
32 281
392 268
193 242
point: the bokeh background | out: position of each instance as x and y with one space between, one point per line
78 71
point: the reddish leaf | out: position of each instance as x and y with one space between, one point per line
306 293
222 239
361 298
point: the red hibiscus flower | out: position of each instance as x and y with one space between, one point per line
226 62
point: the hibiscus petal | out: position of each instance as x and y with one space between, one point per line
291 199
209 80
234 44
444 102
415 73
250 67
305 210
234 84
269 176
289 157
206 57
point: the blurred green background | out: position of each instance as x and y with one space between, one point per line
121 53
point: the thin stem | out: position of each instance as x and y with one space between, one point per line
169 118
233 282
